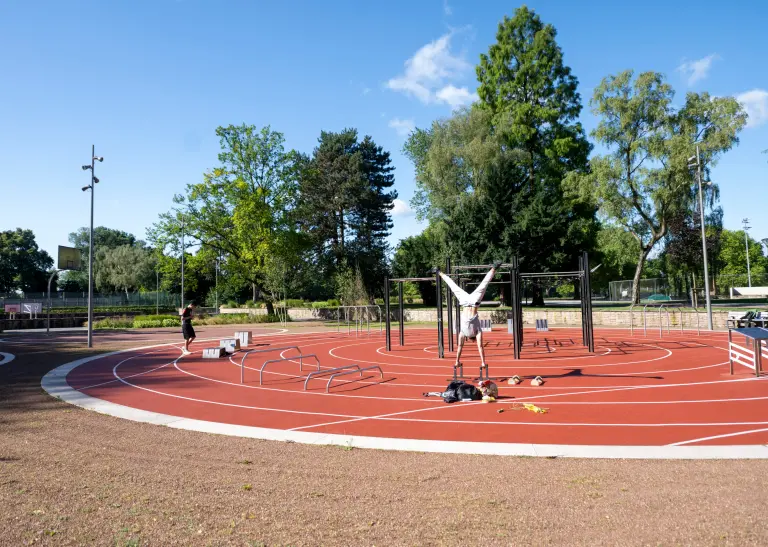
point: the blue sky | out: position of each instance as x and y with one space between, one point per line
148 82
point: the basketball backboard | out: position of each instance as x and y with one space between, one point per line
69 258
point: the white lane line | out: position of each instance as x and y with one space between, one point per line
6 358
726 435
132 375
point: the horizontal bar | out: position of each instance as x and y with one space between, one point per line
552 274
414 279
480 267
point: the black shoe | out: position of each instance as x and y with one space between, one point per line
434 271
496 265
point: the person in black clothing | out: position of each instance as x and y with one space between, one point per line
186 326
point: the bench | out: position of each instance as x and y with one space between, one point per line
738 319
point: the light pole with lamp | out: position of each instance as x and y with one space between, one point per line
183 249
94 180
697 164
745 221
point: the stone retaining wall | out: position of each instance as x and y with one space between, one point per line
554 316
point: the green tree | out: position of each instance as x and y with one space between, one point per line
733 258
645 181
493 172
23 265
125 268
344 205
242 207
103 238
416 255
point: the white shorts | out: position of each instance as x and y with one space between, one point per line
471 328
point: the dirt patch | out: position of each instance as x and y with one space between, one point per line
74 477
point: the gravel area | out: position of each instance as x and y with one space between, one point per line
74 477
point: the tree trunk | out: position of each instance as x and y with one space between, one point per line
270 307
644 252
253 286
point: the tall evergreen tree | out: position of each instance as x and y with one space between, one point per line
345 203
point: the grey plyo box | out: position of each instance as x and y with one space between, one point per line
231 345
214 353
245 337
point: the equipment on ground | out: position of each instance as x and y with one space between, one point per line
214 353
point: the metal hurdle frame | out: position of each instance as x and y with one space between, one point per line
300 357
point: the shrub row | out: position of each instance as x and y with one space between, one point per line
157 321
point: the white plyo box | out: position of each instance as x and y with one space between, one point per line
213 353
245 337
231 345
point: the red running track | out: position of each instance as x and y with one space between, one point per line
633 391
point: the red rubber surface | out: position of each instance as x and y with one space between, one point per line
633 391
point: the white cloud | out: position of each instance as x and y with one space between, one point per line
697 70
401 209
755 102
403 127
429 69
366 90
446 8
455 96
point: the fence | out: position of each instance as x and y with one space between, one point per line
622 290
72 300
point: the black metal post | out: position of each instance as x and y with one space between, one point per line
386 314
582 303
440 346
449 297
517 312
402 313
587 297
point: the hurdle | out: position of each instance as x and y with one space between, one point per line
301 364
751 358
542 325
249 352
340 371
485 325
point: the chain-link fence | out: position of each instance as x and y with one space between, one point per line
160 299
622 290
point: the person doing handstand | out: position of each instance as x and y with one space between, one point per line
470 322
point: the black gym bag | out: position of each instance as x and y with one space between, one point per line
461 391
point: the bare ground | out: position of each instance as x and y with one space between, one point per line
73 477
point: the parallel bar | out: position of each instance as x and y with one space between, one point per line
401 279
361 370
247 353
301 364
326 371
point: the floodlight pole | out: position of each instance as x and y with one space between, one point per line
182 260
704 241
746 242
90 251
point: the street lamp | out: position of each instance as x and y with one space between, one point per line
94 181
697 165
745 221
183 249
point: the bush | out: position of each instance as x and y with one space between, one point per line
231 304
161 318
113 323
147 324
333 303
294 303
234 318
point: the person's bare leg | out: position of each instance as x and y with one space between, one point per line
461 295
479 292
481 349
